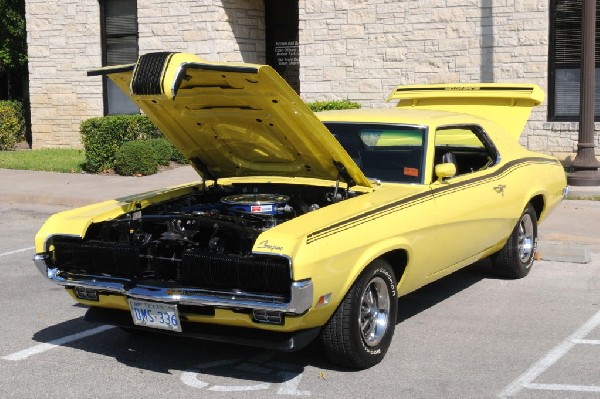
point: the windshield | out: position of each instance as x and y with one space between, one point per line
386 152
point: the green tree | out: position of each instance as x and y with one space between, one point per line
13 36
13 40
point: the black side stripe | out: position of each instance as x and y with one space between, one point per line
408 202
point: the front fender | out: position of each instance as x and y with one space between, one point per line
334 272
75 222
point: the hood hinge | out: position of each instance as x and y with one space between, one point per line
206 173
343 174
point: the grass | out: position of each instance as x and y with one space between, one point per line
65 160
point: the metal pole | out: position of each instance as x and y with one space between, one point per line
585 163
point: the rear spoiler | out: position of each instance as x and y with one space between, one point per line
508 105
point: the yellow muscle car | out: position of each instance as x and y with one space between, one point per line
303 226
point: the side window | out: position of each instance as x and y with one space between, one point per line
466 146
119 46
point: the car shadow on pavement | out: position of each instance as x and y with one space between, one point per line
193 359
61 330
183 356
430 295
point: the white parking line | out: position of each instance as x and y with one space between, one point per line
564 387
37 349
587 341
526 379
289 385
17 251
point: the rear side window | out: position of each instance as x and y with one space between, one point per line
468 145
385 152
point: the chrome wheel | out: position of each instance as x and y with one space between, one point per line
360 331
526 238
516 257
374 312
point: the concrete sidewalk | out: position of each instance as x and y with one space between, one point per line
71 190
572 230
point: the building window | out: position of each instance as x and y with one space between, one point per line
565 60
119 46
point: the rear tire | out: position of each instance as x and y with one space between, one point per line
515 259
360 331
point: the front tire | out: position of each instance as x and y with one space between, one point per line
360 331
515 259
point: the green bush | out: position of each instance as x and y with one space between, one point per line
177 156
163 150
102 137
142 128
12 124
136 158
317 106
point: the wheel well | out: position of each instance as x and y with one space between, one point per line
538 204
398 259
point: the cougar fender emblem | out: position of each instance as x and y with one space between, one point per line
500 189
271 247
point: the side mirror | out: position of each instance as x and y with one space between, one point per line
445 170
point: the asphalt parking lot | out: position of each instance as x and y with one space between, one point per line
470 335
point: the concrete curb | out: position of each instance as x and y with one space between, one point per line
564 252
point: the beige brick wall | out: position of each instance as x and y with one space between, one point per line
64 43
219 30
63 40
375 45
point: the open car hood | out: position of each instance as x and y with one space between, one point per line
233 119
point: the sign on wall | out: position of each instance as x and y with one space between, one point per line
281 19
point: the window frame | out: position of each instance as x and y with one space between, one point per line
552 66
483 138
104 50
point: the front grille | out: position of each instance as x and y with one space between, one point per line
163 269
194 269
97 257
262 275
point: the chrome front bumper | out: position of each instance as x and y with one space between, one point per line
300 297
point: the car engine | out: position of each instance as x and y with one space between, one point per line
202 239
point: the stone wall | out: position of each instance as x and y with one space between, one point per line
64 42
219 30
63 39
360 50
363 49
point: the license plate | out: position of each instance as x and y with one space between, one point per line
155 315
